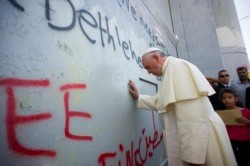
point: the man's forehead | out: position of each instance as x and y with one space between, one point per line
146 58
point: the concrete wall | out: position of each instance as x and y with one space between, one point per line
229 34
209 35
64 71
194 24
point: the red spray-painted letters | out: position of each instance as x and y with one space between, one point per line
13 119
70 113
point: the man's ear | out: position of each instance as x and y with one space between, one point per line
156 57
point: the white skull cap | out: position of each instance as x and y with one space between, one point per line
151 49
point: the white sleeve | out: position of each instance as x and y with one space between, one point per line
147 102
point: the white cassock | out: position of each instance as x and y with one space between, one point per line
193 130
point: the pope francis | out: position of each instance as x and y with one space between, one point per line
194 134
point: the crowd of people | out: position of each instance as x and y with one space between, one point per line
234 95
240 86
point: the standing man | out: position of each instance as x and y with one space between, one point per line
224 79
194 134
248 98
223 82
241 85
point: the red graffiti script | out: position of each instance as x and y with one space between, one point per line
70 114
133 156
13 119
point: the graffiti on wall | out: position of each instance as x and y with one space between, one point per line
133 155
13 119
87 20
17 5
137 15
140 150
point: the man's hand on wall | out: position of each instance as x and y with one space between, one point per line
133 90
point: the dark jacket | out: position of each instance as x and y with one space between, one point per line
215 98
248 98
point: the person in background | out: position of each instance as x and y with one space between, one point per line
248 97
223 81
213 98
212 81
241 85
239 134
194 134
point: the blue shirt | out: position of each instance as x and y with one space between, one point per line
240 89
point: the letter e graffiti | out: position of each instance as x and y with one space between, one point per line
70 114
13 119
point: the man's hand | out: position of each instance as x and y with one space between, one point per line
133 90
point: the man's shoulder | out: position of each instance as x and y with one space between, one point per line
235 82
219 87
179 61
248 81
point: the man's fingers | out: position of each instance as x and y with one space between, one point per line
132 85
134 94
133 90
